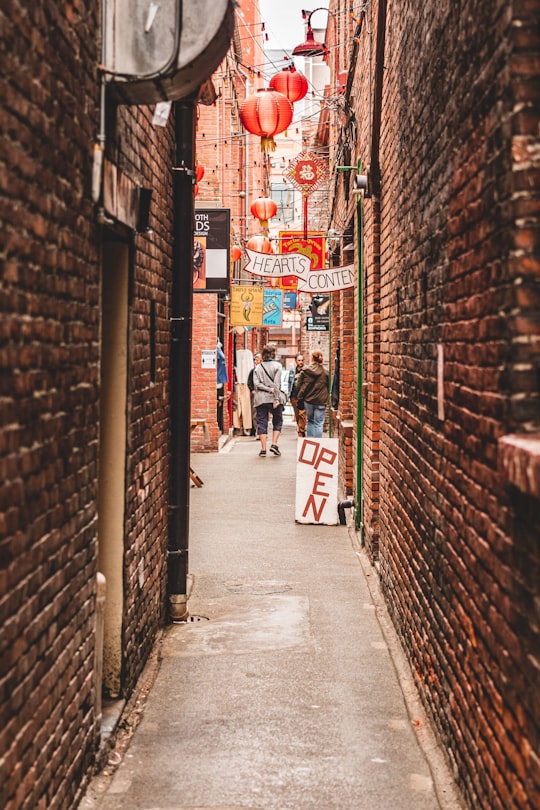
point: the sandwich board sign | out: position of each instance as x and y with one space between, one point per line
317 481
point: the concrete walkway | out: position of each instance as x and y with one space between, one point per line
283 694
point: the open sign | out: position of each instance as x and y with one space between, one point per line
317 481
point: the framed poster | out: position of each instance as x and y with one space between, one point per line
246 305
211 247
272 307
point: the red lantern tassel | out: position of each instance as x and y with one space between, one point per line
268 144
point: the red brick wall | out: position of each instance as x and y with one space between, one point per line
49 403
451 260
454 550
147 470
50 288
203 381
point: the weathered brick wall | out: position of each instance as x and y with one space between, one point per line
49 401
147 154
458 272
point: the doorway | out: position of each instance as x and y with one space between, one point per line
112 455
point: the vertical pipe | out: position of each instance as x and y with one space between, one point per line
181 349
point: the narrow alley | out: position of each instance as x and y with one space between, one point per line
285 691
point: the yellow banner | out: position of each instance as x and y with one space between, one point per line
246 305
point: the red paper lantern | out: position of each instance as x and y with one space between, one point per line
291 83
260 244
236 253
266 114
264 208
199 174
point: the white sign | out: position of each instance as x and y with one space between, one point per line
317 481
208 358
276 265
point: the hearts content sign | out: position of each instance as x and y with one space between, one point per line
277 265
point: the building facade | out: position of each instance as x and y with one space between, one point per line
87 247
440 353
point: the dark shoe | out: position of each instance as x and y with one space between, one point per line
263 453
275 450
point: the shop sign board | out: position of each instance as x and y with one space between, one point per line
272 266
246 305
317 481
272 307
211 246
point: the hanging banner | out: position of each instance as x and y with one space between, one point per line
276 265
246 305
211 245
272 307
317 481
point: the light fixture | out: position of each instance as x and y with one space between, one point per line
311 47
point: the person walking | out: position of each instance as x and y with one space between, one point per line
299 413
312 393
268 398
251 385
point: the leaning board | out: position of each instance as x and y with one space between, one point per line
316 481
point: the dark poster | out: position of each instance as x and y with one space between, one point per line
211 247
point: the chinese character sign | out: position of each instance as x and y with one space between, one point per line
306 172
317 481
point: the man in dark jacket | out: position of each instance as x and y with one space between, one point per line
299 413
312 392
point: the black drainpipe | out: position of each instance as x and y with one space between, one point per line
375 166
180 364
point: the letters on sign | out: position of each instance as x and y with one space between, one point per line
296 264
316 481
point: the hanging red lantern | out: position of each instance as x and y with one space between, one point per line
291 83
199 174
266 114
260 244
263 208
236 253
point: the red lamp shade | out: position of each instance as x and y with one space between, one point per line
290 83
260 244
236 253
266 114
311 47
264 208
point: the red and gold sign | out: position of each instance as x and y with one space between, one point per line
306 172
314 247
